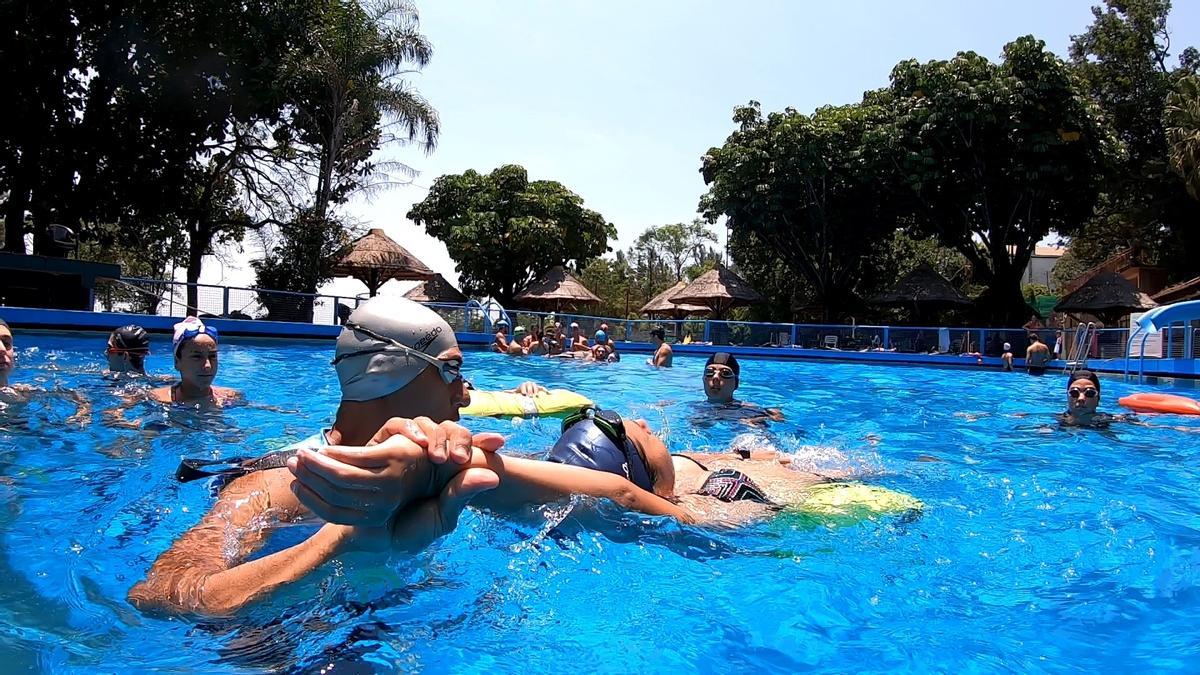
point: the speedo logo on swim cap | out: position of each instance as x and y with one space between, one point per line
428 339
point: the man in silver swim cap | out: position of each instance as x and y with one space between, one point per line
394 359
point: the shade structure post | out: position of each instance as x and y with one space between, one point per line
887 338
793 342
707 330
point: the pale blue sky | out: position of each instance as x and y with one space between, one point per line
618 100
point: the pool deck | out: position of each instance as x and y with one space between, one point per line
69 320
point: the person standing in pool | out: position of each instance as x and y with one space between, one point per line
579 341
195 348
1006 359
663 354
20 394
722 375
128 347
500 339
1037 355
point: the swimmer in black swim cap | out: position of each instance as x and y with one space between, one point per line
722 375
1083 400
128 347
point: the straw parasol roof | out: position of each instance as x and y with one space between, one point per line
661 304
375 258
436 289
1107 296
556 289
718 289
922 289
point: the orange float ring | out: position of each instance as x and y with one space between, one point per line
1161 403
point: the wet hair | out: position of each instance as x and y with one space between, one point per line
1033 337
658 333
724 359
1083 375
5 324
134 340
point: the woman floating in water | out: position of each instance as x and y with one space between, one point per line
195 346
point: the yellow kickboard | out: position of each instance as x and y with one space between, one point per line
555 402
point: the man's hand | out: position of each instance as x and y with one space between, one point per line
529 389
367 486
419 524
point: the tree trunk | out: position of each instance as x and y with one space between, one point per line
199 237
14 215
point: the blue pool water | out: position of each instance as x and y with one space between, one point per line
1039 550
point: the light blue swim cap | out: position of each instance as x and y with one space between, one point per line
601 336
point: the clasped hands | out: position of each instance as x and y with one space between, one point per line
399 492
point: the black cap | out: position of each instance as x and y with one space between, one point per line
131 338
1083 375
724 359
658 333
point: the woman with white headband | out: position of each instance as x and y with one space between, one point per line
195 348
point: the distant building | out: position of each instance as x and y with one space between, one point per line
1040 269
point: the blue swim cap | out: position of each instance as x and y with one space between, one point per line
601 336
585 444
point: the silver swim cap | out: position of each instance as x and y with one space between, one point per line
369 365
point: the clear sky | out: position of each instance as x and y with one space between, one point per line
618 100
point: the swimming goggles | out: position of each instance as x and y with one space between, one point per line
607 421
1086 392
121 350
191 333
723 373
195 469
449 370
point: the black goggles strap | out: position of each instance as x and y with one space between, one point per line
195 469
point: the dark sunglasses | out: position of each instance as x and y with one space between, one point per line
1087 392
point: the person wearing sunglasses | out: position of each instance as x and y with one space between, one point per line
126 351
195 347
722 375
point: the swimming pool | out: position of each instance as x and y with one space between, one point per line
1039 549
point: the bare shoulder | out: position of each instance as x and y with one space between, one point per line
227 395
160 394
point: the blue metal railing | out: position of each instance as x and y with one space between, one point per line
168 298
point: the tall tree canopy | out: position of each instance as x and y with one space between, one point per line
503 230
801 185
991 158
1182 117
1125 63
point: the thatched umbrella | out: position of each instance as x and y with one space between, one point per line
436 289
375 258
1107 296
558 288
924 291
718 289
662 305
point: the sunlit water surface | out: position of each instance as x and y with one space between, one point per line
1039 549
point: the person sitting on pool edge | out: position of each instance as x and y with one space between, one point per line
24 393
195 348
128 347
1037 355
663 354
722 376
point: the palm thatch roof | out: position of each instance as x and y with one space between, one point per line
557 289
923 288
661 304
1107 295
719 289
436 289
375 258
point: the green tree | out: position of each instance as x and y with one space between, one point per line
612 280
1182 119
679 245
503 230
990 158
1123 60
300 260
801 185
